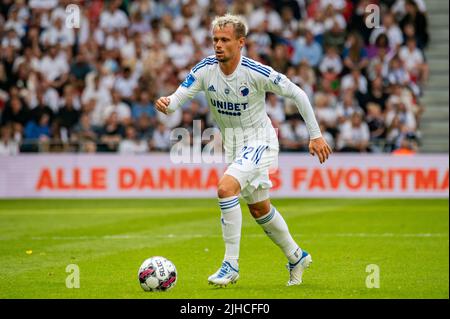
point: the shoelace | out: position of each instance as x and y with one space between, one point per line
224 269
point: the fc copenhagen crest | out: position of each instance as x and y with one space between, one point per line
244 90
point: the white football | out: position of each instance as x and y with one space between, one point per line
157 274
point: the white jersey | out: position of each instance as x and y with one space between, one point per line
237 101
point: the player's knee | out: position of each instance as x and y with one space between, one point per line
228 187
257 212
223 191
259 209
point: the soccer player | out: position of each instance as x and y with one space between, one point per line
235 87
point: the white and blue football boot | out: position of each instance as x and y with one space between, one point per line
225 275
296 270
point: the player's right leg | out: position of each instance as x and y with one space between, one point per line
231 220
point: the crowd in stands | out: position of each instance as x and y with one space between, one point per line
91 88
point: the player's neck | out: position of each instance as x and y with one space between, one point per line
230 66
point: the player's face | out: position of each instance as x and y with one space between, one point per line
226 44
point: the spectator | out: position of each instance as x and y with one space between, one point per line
414 61
392 30
111 134
278 59
377 129
11 39
306 79
381 42
355 81
132 144
39 130
331 65
294 135
358 20
261 39
15 22
187 122
418 19
399 76
325 112
198 108
3 80
408 146
354 135
393 133
144 128
327 136
335 37
180 50
316 23
58 34
307 49
334 17
274 108
377 94
347 107
161 138
399 7
289 18
67 115
99 93
84 131
112 17
50 95
379 65
355 55
7 60
265 13
138 23
121 109
143 106
405 116
8 146
15 112
115 40
81 67
126 84
54 67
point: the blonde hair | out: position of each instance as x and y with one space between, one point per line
238 23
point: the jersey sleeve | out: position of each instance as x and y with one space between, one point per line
192 84
278 83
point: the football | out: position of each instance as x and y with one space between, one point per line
157 274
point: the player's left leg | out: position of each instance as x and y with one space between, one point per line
274 225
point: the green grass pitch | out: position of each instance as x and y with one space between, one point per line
109 239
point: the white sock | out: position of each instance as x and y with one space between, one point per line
231 227
276 228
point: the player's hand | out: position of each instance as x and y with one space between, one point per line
320 147
162 104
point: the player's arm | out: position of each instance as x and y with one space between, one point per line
281 85
187 90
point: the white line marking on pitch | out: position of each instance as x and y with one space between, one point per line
188 236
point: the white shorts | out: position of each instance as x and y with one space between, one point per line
251 168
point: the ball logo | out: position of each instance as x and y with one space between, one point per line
160 268
244 90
